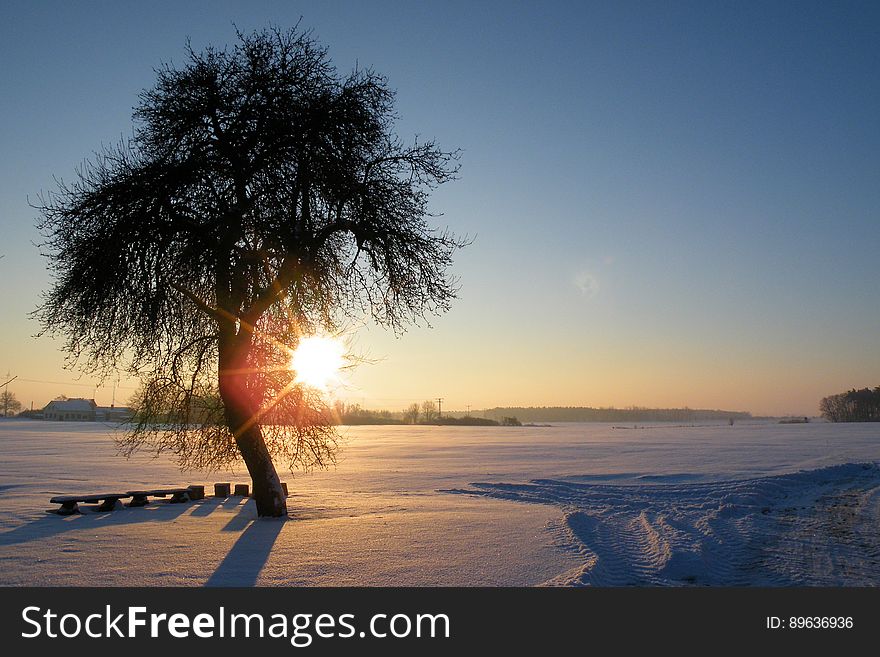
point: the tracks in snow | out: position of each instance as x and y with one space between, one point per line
811 528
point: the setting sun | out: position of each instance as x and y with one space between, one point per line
317 360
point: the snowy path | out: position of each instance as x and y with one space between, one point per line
812 528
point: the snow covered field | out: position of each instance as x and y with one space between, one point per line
752 504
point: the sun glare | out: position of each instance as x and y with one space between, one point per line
317 361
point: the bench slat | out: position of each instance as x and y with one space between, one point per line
64 499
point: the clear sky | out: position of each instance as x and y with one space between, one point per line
673 203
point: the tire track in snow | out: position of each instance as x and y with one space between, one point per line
811 528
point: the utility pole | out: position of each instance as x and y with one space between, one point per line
469 410
5 391
439 407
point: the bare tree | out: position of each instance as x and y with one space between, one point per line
411 414
263 196
9 403
429 410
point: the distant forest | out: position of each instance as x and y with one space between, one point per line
852 406
633 414
425 413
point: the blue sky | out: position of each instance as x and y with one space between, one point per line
672 203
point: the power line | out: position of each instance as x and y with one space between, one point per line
73 383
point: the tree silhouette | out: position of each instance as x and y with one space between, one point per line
263 196
411 413
852 406
9 403
429 410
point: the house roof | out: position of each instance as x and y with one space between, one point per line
71 405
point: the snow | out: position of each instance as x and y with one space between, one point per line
578 504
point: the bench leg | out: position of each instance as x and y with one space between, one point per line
179 497
138 500
68 509
109 504
196 492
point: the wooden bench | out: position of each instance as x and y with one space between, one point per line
69 502
141 497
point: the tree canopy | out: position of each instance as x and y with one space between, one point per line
262 196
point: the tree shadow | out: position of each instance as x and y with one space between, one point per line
242 565
211 504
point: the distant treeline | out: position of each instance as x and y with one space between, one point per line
424 413
852 406
208 410
632 414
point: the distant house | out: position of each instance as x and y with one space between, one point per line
71 410
85 410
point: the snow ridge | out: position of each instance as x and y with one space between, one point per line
811 528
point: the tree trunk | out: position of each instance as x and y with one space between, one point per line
267 491
240 408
